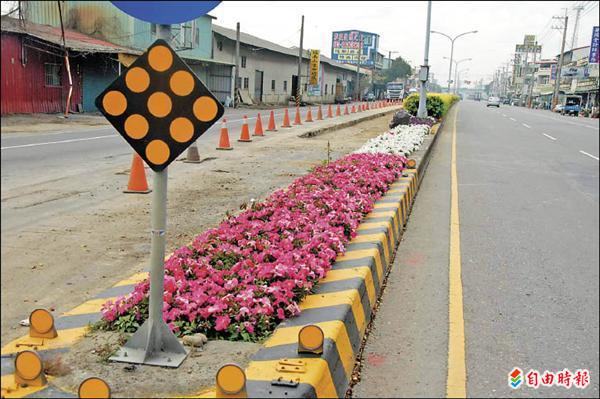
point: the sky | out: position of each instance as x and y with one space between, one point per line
402 26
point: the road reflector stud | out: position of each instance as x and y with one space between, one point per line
411 164
310 339
231 381
41 324
94 387
29 370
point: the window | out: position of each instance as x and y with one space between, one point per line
153 29
246 83
325 88
273 85
331 89
220 45
305 87
285 86
243 61
197 36
52 74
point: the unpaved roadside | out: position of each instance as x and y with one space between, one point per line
72 258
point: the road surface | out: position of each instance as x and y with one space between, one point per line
528 206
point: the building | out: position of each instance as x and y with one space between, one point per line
526 55
35 77
102 20
268 71
543 84
579 77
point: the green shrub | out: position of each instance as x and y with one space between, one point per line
437 104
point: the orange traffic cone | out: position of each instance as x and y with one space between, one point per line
137 177
297 120
286 119
258 129
368 108
272 127
245 135
320 114
329 112
224 139
337 111
346 110
309 115
353 110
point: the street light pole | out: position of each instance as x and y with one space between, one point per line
456 68
452 51
422 111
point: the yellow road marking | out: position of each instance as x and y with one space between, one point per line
456 384
136 278
65 338
10 389
91 306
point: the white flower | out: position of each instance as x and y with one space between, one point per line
401 140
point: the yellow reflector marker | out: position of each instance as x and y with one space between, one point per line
41 324
411 164
205 109
181 130
182 83
136 126
157 152
29 370
114 102
160 58
159 104
310 339
94 387
137 80
231 380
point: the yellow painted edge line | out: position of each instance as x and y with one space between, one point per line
134 279
65 338
317 375
91 306
11 390
456 384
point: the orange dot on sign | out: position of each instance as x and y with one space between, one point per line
205 109
157 152
159 104
160 58
114 103
137 79
136 126
181 130
182 83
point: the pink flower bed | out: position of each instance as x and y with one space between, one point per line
239 280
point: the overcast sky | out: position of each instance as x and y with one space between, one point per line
401 26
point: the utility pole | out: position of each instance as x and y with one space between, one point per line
422 111
358 70
560 58
531 76
237 65
578 10
299 80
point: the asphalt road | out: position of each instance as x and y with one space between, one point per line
529 230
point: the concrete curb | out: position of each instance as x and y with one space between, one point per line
353 122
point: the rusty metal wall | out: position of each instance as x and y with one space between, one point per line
23 84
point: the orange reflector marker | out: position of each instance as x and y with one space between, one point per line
310 339
411 163
29 370
94 387
231 381
41 324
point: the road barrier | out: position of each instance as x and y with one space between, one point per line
308 115
320 114
297 120
286 119
258 129
245 133
272 127
224 138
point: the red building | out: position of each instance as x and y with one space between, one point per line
33 66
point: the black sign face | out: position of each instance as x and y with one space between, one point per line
159 106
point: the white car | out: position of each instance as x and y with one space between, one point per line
493 102
558 108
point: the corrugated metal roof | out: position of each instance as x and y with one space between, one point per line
75 41
262 43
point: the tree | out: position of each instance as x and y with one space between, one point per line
400 69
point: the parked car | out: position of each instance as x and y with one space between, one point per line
559 108
506 101
369 97
493 102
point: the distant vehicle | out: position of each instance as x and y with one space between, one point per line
493 102
394 91
506 101
370 97
558 108
571 105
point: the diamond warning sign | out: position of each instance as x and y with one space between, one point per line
159 106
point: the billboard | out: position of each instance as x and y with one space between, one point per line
345 47
593 58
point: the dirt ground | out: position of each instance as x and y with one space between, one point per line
64 263
32 123
197 373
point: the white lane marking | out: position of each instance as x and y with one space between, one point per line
504 115
550 137
526 125
594 127
589 155
59 142
513 119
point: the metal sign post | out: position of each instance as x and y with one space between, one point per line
160 107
